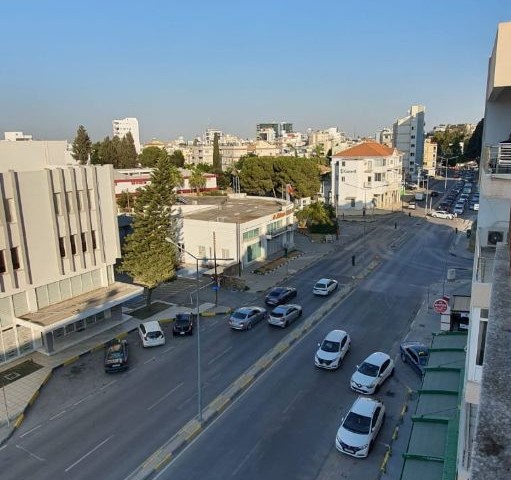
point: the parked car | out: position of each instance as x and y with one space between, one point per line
360 427
442 214
475 207
283 315
245 318
325 286
372 373
183 324
280 295
116 356
332 350
416 354
151 334
458 209
412 205
433 193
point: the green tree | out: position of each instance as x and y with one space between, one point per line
125 200
82 146
197 180
95 158
127 156
178 159
256 176
147 255
475 143
217 158
149 156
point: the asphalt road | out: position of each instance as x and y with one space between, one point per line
87 424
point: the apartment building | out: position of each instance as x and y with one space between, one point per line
129 124
485 420
58 246
16 137
408 138
264 130
384 136
365 177
430 157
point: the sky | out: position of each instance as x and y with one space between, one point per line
183 66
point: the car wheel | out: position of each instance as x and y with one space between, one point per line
403 357
286 324
392 373
249 325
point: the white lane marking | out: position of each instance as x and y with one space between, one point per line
30 431
109 384
1 448
30 453
90 452
168 349
82 400
292 402
165 396
152 359
58 415
214 359
249 454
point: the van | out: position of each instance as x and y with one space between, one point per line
151 334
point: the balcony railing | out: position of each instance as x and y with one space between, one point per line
497 159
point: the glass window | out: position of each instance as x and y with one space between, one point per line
73 244
251 234
94 242
62 247
481 342
15 258
353 202
84 242
2 262
56 203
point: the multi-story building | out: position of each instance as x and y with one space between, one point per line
209 135
59 243
330 139
430 156
485 421
122 127
263 149
408 138
16 137
365 177
278 128
384 136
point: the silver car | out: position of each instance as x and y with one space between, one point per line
283 315
442 214
245 318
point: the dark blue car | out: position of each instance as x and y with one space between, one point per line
416 354
280 295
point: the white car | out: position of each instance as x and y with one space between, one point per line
151 334
458 209
332 350
325 286
360 427
442 214
370 375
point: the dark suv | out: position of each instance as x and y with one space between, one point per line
116 356
183 324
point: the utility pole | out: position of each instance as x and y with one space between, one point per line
216 277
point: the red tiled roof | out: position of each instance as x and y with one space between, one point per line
366 149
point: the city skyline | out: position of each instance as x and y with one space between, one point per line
180 69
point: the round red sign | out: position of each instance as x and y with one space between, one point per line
441 305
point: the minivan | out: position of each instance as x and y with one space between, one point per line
151 334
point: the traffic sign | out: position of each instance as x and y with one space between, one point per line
441 305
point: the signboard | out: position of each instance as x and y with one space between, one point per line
441 305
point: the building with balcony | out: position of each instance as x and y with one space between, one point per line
264 130
484 446
408 138
430 157
384 136
366 176
121 127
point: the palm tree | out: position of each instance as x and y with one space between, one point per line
197 180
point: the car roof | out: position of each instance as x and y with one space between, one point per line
364 406
278 289
377 358
152 325
416 346
335 335
247 309
323 280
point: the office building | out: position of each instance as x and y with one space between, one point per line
121 127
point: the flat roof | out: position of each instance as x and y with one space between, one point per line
73 309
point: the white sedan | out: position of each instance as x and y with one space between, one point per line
442 214
370 375
325 286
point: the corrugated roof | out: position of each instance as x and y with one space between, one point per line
366 149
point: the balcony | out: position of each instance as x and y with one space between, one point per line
485 263
497 159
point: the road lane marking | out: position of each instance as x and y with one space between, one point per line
292 402
214 359
58 415
30 453
170 392
90 452
168 349
152 359
83 399
30 431
108 384
240 466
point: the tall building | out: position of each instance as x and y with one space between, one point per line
278 128
122 127
58 248
408 138
384 136
485 420
430 157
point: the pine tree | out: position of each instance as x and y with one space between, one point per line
217 158
82 146
147 256
128 157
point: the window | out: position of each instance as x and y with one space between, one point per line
2 262
15 258
56 203
413 136
272 227
84 242
9 208
352 202
79 200
412 154
94 242
250 234
202 251
369 179
73 244
343 179
343 163
69 201
379 177
481 342
62 247
412 145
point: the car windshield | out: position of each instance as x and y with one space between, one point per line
154 335
182 320
320 286
115 355
239 315
423 357
276 293
368 369
357 423
329 346
278 313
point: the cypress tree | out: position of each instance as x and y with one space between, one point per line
82 146
217 158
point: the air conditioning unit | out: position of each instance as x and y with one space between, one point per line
495 236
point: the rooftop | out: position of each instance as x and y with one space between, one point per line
367 149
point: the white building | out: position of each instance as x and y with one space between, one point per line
16 137
429 163
408 138
330 139
365 177
59 243
209 135
35 155
485 423
384 136
121 127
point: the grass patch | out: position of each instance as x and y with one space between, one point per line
19 371
146 312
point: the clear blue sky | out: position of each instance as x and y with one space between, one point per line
182 66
